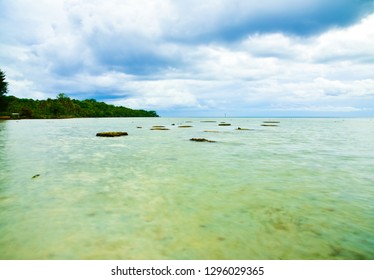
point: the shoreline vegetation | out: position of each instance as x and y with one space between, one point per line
64 107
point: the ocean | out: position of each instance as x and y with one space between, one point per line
296 188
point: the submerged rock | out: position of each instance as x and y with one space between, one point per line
224 124
111 134
159 128
213 131
239 128
268 124
185 126
270 121
202 140
35 176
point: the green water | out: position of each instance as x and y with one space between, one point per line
301 190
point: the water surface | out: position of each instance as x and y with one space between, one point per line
301 190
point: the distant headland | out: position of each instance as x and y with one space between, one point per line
65 107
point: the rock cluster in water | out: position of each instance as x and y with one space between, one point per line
162 127
111 134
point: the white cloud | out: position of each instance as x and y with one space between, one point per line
353 43
160 94
141 18
319 109
166 55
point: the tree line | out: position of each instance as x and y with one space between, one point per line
61 107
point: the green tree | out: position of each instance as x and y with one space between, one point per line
3 90
26 112
62 96
3 84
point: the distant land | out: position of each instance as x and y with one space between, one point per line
65 107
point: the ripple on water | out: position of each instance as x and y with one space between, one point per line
300 191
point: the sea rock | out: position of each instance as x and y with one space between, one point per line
212 131
185 126
239 128
268 124
111 134
159 128
224 124
270 121
201 140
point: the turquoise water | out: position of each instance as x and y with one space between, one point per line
301 190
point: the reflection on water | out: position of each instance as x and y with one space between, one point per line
301 190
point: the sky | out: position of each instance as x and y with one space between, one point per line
208 58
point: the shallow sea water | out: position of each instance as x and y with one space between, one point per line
301 190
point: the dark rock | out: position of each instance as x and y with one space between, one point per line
224 124
239 128
35 176
111 134
185 126
201 140
268 124
159 128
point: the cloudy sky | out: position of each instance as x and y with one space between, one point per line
193 57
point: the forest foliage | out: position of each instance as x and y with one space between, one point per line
65 107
